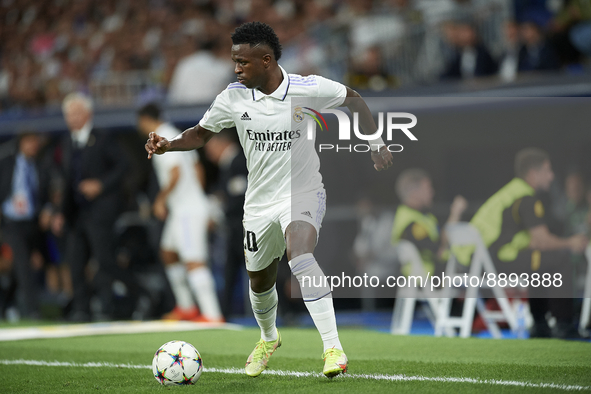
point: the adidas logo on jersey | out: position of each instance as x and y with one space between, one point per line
245 116
308 214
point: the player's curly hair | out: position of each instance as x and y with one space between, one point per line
255 33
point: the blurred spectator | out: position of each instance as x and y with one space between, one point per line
223 150
536 54
415 223
510 59
377 24
182 205
199 77
539 11
369 72
116 50
94 166
471 58
23 194
576 17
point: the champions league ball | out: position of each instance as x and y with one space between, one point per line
177 363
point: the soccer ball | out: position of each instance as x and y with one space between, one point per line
177 363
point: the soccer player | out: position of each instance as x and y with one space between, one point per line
285 198
182 205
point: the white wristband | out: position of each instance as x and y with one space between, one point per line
376 144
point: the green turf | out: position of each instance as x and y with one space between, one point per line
536 361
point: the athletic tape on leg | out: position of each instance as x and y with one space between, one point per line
312 281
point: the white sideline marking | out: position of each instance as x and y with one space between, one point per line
122 327
391 378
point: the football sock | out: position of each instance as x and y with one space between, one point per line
322 312
177 276
203 285
317 299
264 306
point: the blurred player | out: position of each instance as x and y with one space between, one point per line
415 223
513 225
223 150
182 204
282 207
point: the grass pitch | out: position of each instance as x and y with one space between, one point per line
409 363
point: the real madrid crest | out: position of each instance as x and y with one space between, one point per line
298 115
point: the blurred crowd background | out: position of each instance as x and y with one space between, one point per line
124 54
124 51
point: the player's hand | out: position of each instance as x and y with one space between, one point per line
578 243
90 188
156 145
382 158
159 209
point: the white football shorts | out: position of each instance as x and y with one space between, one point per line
264 231
185 232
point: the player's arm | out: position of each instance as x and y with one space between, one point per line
159 206
192 138
531 212
380 155
543 239
175 174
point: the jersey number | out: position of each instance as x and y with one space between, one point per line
251 241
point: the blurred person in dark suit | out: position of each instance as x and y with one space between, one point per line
94 166
536 53
23 194
509 62
471 58
224 151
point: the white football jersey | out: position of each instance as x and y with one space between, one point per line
282 161
188 193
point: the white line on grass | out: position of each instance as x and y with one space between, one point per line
240 371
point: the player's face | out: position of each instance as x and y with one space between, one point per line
427 192
422 194
249 65
545 176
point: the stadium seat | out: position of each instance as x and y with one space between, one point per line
464 234
586 309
